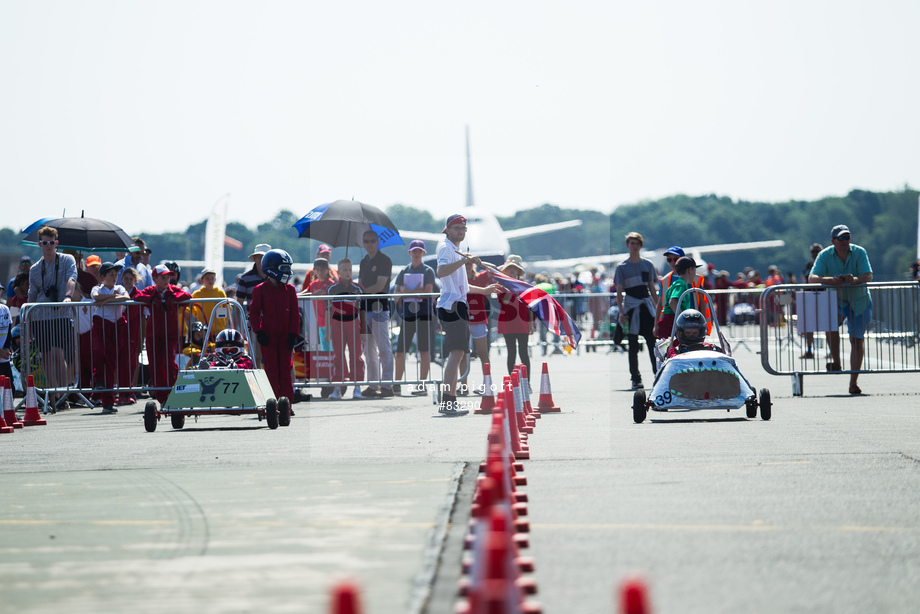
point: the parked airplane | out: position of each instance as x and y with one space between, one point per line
485 236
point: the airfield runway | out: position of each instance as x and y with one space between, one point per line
817 510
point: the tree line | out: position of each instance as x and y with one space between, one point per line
885 223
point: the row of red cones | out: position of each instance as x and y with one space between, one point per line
495 580
9 421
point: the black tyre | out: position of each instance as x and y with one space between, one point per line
150 416
766 405
640 411
751 407
284 411
178 420
271 413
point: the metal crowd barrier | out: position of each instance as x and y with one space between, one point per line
345 354
72 355
794 316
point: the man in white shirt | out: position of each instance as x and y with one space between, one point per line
453 309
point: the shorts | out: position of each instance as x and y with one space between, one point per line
409 328
856 324
478 331
456 324
56 333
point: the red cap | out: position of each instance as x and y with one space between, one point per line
453 220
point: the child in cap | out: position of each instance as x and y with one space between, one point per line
208 279
108 344
162 334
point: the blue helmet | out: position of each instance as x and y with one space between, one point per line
276 263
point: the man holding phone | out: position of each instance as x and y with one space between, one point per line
845 265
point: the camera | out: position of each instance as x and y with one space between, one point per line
51 294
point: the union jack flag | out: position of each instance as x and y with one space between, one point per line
543 306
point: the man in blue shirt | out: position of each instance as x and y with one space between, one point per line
845 265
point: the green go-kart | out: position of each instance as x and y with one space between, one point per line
201 391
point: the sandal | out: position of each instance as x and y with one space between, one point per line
854 389
833 367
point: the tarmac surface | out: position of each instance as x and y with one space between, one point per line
817 510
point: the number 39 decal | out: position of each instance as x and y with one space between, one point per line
663 399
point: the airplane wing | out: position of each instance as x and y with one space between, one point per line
734 247
423 236
529 231
611 260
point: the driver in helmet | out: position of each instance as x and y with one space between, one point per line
229 351
691 334
274 317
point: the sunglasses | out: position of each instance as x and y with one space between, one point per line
672 259
366 241
43 242
843 238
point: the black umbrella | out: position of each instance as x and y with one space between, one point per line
344 222
85 234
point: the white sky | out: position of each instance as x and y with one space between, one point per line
145 113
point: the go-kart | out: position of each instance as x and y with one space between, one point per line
699 379
206 390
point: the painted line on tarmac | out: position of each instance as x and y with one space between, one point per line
720 527
314 523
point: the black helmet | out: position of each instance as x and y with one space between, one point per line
229 343
691 327
172 266
198 327
276 263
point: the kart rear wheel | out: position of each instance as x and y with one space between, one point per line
178 420
766 405
150 416
284 411
271 413
751 407
640 411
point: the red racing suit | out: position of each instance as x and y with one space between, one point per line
273 310
162 335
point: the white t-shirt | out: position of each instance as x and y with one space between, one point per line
454 287
84 316
111 312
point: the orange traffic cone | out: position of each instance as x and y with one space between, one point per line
32 417
9 412
4 428
523 424
546 404
488 394
634 597
518 448
345 599
525 386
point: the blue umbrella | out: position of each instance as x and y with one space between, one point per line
343 223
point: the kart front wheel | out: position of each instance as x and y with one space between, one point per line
150 416
178 420
271 413
284 411
751 407
639 408
766 405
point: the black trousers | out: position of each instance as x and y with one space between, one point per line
520 340
646 330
